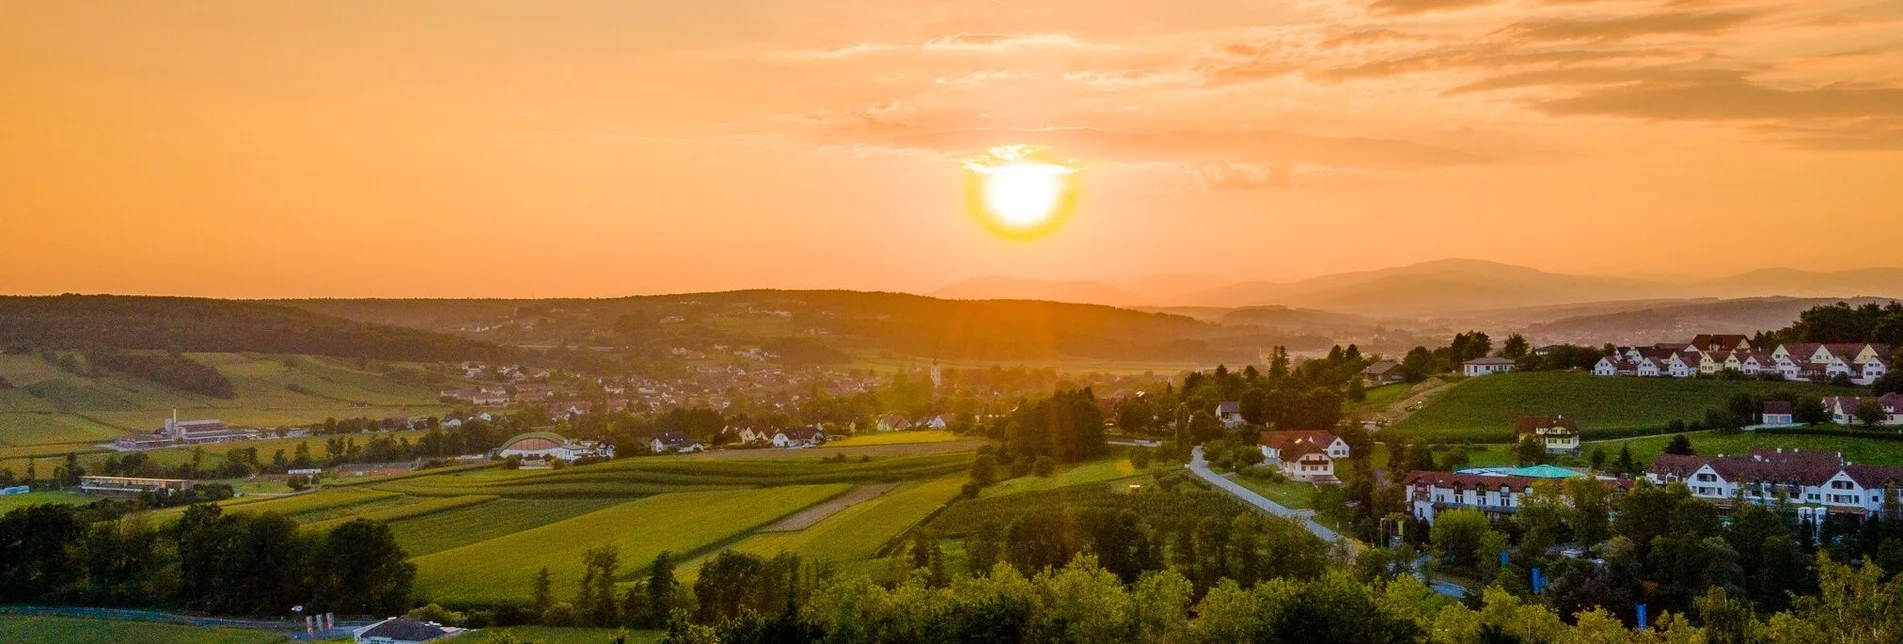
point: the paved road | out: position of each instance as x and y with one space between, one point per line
1201 468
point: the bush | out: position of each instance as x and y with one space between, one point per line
479 619
559 614
970 490
1140 458
512 463
1044 467
436 613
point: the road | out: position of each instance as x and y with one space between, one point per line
1201 468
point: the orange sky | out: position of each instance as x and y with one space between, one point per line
551 148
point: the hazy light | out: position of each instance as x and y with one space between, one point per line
1020 191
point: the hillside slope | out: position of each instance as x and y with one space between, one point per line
1484 409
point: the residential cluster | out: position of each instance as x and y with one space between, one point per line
1816 482
1861 362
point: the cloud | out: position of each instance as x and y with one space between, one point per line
1724 97
968 42
1405 7
1625 27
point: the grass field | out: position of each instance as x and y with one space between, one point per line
896 438
858 532
51 406
436 532
1098 471
1291 494
26 629
1858 450
1486 407
311 507
1379 398
403 511
550 635
9 502
502 570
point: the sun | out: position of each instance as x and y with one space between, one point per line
1020 191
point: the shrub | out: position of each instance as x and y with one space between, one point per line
1044 467
1140 458
436 613
559 614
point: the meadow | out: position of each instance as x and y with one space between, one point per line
1484 409
1710 443
503 570
11 501
401 511
896 438
857 533
454 528
634 477
34 629
1097 471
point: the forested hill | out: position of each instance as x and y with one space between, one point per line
847 320
205 325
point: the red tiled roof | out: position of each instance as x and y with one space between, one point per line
1279 440
1777 407
1527 424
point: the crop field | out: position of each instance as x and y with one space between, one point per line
858 532
1857 450
1485 408
552 635
1097 471
502 570
34 629
1379 398
457 527
412 509
897 438
1165 510
309 507
637 477
851 452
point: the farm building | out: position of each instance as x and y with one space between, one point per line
1486 366
185 432
550 445
673 443
403 630
132 485
1385 372
798 437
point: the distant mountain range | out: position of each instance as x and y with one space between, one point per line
1440 288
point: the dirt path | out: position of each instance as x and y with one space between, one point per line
809 516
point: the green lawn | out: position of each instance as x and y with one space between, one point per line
896 438
1379 398
1858 450
502 570
1290 494
422 535
24 629
1098 471
1486 407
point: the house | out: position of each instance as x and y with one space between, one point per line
1486 366
1777 412
750 433
1230 413
540 446
1683 364
1304 455
797 437
1559 434
935 422
673 443
1385 372
893 423
1817 483
403 630
1493 493
1607 366
1726 342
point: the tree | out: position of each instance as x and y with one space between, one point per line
595 602
983 470
1457 534
660 590
1044 466
362 571
1626 465
1529 450
1810 410
1515 348
543 587
1868 412
1680 445
1419 363
1597 458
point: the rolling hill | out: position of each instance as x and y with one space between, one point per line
1742 316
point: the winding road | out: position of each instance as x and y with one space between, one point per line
1201 468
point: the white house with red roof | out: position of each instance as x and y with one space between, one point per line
1304 455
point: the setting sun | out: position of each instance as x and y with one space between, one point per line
1020 191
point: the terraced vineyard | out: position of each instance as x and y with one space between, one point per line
637 477
401 511
502 570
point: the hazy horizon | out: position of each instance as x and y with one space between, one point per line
291 149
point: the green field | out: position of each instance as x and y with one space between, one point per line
309 507
1290 494
401 511
1485 408
422 535
502 570
12 501
856 533
1098 471
551 635
896 438
1857 450
1379 398
25 629
49 406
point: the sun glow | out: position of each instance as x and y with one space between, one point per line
1020 191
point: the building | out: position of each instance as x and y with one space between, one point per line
893 423
1486 366
1497 492
1230 413
1304 455
1385 372
540 446
798 437
1818 483
403 630
177 432
132 485
1843 409
750 433
1777 412
1559 434
1721 342
673 443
